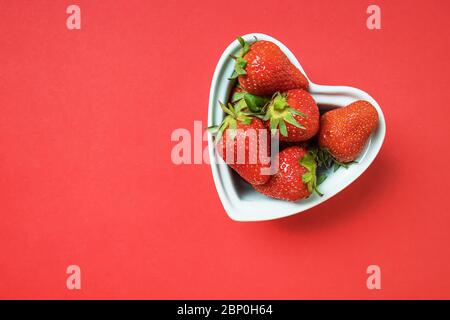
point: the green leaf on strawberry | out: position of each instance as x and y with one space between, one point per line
279 112
310 177
234 114
253 103
326 160
241 63
321 179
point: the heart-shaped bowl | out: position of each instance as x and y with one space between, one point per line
240 200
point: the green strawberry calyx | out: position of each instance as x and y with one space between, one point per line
241 63
254 104
308 161
233 115
325 159
279 112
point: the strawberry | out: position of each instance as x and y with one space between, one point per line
295 178
344 131
296 115
263 69
240 134
286 144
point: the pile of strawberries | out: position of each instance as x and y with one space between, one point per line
272 94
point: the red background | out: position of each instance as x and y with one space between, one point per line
86 176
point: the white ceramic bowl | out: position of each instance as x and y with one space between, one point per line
240 200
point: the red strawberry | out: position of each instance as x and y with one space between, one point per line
240 135
296 176
345 131
286 144
263 69
295 113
